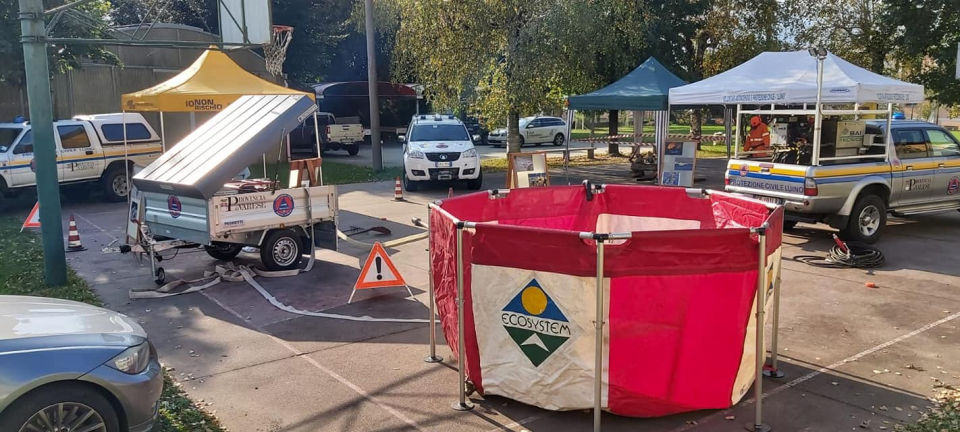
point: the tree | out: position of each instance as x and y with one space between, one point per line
197 13
514 56
61 57
860 31
927 33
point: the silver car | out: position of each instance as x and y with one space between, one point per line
69 366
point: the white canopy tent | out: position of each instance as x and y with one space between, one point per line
790 78
774 81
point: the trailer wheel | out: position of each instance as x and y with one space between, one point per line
281 250
223 251
160 277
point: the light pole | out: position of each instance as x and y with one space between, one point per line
34 34
820 54
372 86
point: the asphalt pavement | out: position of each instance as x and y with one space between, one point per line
855 358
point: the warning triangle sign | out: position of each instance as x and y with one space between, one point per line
33 220
378 271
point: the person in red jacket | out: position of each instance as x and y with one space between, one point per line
758 139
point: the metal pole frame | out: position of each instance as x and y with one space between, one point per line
773 371
433 357
757 425
598 325
163 134
462 404
818 117
736 134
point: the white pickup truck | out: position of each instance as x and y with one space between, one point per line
345 133
89 149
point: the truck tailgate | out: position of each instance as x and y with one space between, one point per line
235 213
765 178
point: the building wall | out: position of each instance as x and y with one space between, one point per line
97 88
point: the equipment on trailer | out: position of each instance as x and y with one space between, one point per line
188 197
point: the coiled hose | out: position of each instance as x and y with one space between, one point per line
846 255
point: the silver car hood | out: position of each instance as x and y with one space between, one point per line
29 317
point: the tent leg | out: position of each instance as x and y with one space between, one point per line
462 404
433 357
163 135
736 134
757 425
598 355
773 370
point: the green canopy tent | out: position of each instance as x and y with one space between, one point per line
644 89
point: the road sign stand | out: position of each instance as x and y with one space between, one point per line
378 272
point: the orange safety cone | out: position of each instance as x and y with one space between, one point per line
398 190
73 237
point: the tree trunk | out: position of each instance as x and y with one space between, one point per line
513 131
696 122
613 129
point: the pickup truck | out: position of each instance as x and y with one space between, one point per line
89 149
347 134
919 174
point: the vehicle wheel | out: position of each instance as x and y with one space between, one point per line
353 149
60 407
522 141
281 250
476 183
409 185
223 251
160 277
558 140
867 219
789 225
114 184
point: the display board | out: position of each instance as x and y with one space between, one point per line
679 162
527 170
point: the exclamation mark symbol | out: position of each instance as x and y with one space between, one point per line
379 275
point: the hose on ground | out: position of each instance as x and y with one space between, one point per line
846 255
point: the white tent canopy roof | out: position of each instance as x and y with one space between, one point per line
791 78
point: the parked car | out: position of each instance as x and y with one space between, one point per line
89 149
347 134
69 366
476 130
533 130
920 174
439 148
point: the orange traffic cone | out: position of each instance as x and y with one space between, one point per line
73 237
398 190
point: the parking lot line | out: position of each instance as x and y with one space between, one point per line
807 377
293 350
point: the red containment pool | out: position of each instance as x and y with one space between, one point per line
679 271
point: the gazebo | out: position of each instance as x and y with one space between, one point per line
211 83
646 88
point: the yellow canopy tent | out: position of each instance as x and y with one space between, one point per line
209 84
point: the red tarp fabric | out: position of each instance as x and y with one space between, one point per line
676 341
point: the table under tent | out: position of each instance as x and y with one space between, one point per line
781 90
643 89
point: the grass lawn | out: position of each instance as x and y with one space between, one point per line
21 273
674 129
556 161
333 173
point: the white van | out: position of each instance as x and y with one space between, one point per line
439 148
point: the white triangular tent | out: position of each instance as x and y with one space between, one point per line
784 78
